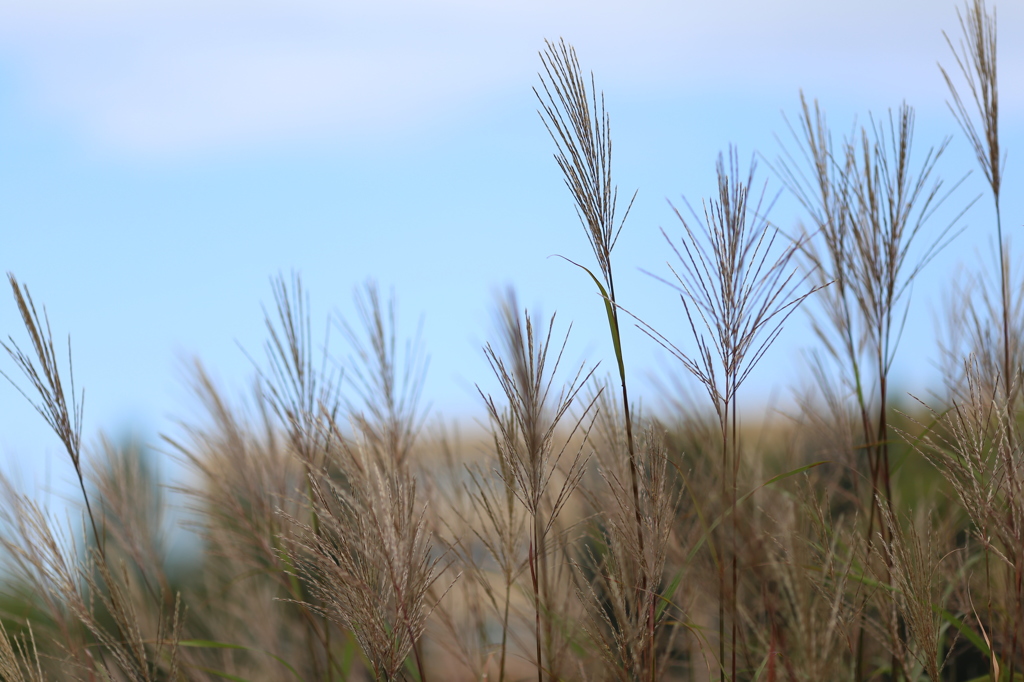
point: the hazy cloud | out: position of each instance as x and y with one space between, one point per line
177 77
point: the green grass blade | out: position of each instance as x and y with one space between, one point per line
613 324
969 634
665 601
784 475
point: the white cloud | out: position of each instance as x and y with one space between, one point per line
177 76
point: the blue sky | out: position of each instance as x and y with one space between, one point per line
160 161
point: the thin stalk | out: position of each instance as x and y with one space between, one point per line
1018 584
504 632
642 592
509 569
581 134
988 604
732 503
1004 288
883 466
417 656
545 594
1008 371
722 595
728 589
536 600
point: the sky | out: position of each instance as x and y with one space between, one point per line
160 161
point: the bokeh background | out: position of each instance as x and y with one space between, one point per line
161 160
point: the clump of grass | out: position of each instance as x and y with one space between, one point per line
976 61
525 429
741 289
368 557
612 565
809 580
868 207
244 477
979 456
974 453
913 556
45 379
81 584
370 564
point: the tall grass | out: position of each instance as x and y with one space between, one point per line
736 294
342 533
868 206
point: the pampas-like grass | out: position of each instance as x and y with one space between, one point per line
369 563
334 538
737 290
541 472
613 571
868 206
